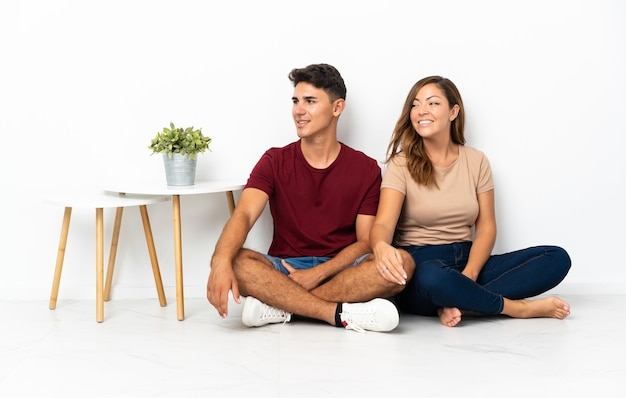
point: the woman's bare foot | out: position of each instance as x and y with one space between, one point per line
449 316
548 307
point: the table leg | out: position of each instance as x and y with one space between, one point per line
113 252
99 264
230 198
152 252
60 256
178 257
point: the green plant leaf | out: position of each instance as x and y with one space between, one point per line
180 140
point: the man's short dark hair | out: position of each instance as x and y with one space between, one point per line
322 76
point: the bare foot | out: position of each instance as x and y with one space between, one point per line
548 307
449 316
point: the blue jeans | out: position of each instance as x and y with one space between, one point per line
438 281
303 262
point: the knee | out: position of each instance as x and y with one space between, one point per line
407 263
560 258
556 263
243 257
430 274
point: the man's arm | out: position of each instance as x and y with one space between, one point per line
313 277
222 278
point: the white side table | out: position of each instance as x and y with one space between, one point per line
143 187
99 200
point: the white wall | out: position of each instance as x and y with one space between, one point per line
85 85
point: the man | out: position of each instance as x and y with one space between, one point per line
323 197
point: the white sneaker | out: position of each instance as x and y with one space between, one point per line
378 315
257 313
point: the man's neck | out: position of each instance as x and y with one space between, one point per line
320 153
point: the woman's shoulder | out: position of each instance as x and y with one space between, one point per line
472 153
398 159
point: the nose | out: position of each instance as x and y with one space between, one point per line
298 109
422 110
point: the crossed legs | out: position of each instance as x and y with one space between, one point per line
503 286
257 278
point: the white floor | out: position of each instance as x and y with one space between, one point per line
141 350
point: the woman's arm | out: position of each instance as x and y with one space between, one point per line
484 235
386 256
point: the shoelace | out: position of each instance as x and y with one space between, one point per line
273 313
352 326
355 320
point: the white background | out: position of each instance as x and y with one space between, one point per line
85 85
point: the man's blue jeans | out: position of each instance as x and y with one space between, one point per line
304 262
438 281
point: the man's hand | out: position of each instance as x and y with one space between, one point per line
307 278
221 281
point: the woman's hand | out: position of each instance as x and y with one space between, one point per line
389 263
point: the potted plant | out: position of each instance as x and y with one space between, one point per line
180 147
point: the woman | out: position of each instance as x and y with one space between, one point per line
437 202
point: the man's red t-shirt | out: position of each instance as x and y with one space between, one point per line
314 210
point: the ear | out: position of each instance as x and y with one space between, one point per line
338 106
454 112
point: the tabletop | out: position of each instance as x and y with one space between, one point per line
161 188
99 198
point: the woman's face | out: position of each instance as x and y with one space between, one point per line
431 115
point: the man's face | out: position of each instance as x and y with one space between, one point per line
313 112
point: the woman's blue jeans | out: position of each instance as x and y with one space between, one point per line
438 281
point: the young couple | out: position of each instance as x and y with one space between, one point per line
351 246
